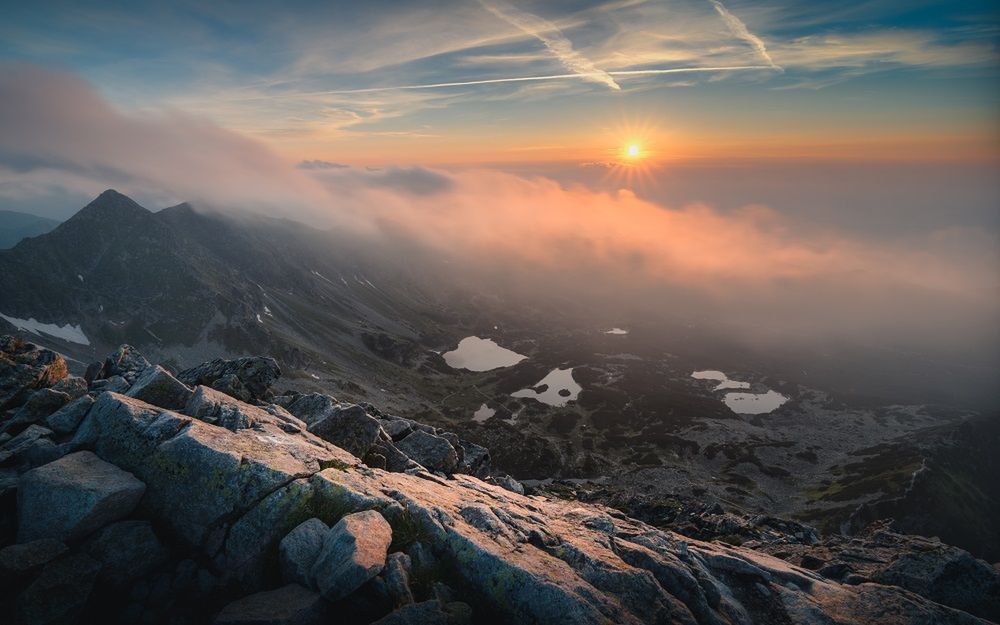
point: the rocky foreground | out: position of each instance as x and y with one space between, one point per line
135 495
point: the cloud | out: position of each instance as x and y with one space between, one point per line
411 180
56 122
751 268
739 29
320 164
550 77
909 48
553 39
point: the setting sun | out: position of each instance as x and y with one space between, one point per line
633 150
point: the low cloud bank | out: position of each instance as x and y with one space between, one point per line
751 269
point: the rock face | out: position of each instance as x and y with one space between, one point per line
156 386
72 496
353 552
928 567
127 550
289 605
158 516
25 367
348 427
299 549
25 558
126 363
254 374
59 594
434 452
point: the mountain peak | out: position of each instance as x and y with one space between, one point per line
111 205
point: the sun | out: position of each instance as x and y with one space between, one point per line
633 150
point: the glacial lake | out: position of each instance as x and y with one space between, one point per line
742 403
478 354
562 388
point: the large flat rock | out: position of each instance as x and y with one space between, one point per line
73 496
201 477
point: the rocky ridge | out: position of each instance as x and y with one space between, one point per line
135 495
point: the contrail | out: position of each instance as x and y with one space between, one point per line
493 81
554 41
739 29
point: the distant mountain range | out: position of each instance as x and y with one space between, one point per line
186 286
15 226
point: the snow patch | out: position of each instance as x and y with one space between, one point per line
723 380
68 332
483 413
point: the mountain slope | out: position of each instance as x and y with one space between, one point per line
368 322
186 286
15 226
161 503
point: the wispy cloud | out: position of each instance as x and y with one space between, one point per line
554 41
544 77
739 29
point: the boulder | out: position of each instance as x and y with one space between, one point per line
218 408
73 496
423 613
289 605
126 362
507 482
60 592
25 559
66 419
25 367
397 578
40 404
286 420
254 538
947 575
114 384
311 407
299 549
255 374
41 451
475 459
432 451
156 386
353 552
396 427
12 450
127 550
395 460
348 427
231 385
72 385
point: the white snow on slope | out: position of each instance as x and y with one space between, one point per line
71 333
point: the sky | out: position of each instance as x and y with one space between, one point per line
873 79
825 169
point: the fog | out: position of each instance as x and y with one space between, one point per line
803 277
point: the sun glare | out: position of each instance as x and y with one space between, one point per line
633 150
